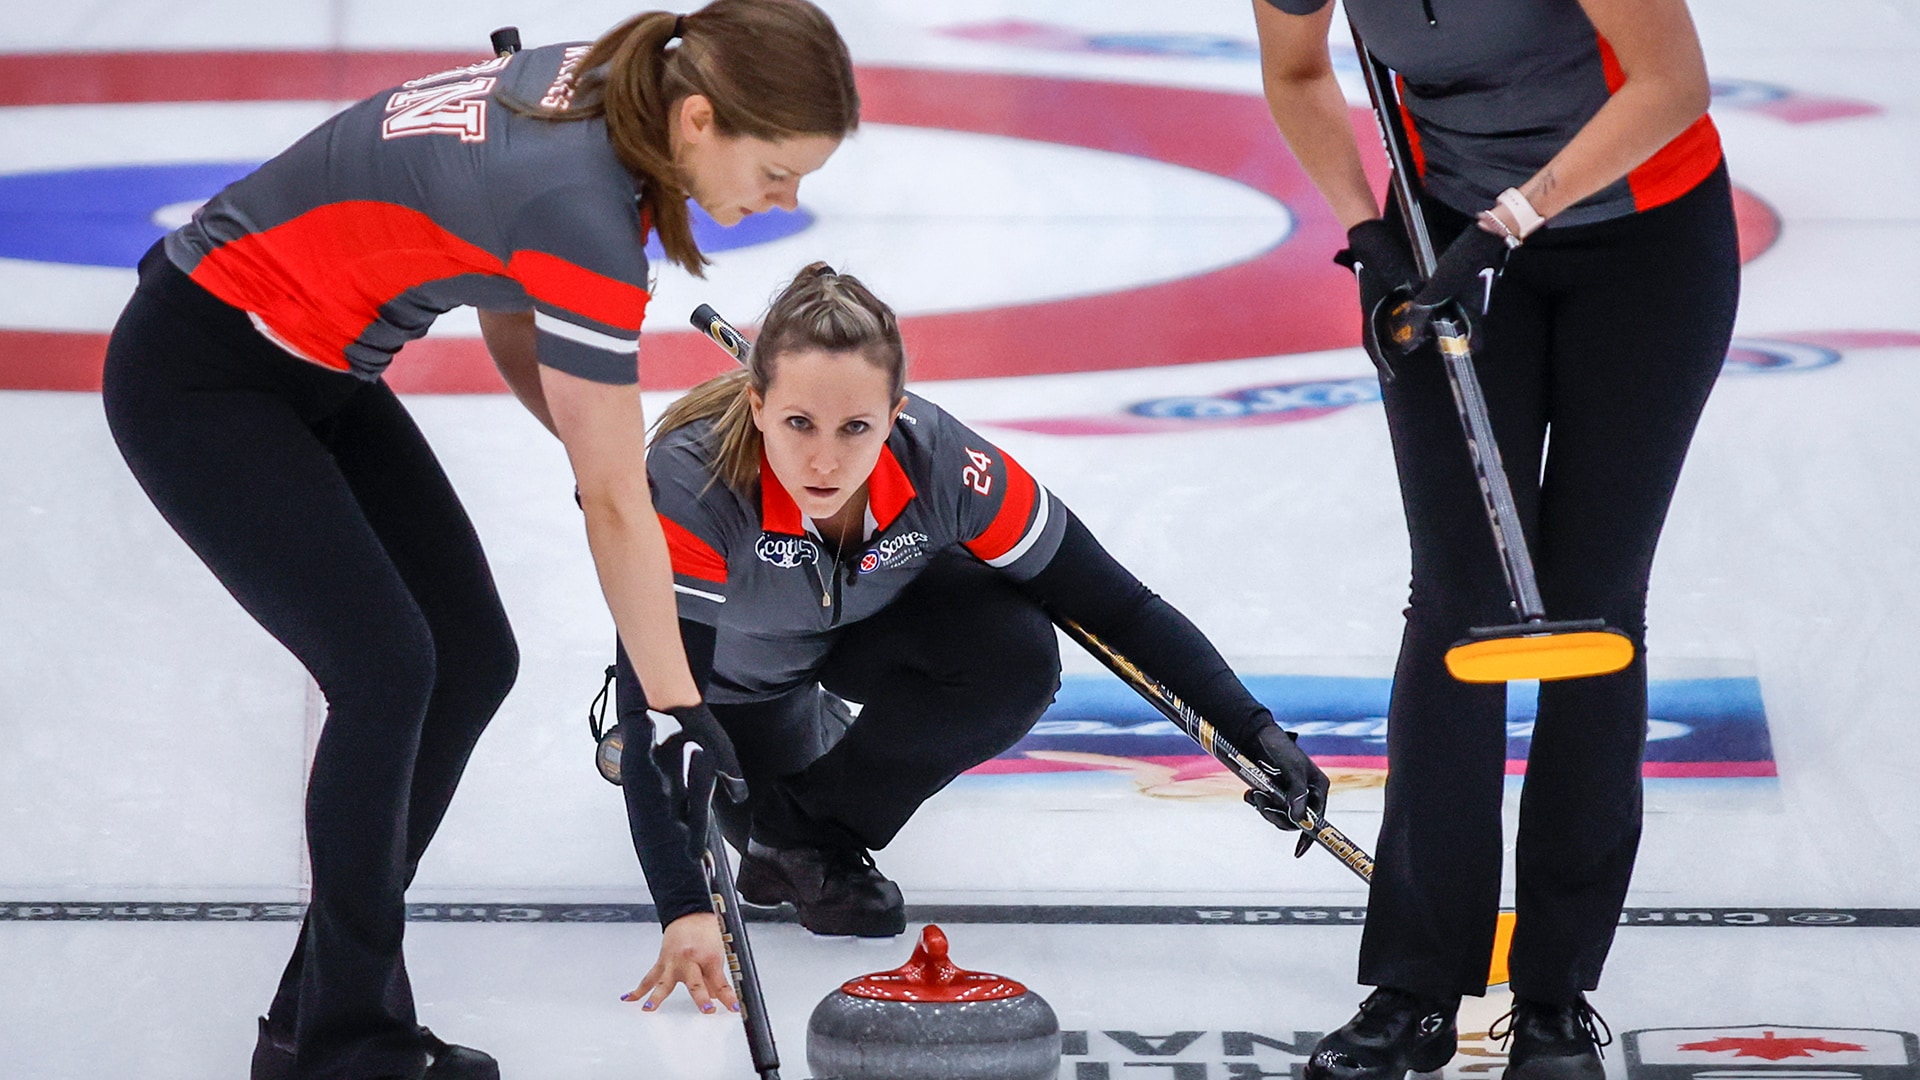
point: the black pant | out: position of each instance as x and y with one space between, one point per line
314 499
952 673
1609 336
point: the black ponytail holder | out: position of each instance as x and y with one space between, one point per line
679 27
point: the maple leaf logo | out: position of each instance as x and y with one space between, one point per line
1770 1046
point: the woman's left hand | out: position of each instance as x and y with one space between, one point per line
1303 785
1466 274
691 952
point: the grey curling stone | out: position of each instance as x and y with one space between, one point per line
930 1020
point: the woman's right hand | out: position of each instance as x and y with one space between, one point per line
1377 254
692 954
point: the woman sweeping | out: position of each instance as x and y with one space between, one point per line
243 386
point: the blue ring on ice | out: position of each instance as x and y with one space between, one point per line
107 216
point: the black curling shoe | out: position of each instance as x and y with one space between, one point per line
1393 1033
450 1062
273 1059
836 891
1554 1042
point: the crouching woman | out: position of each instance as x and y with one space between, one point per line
837 539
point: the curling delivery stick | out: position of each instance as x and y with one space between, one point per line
1314 826
705 843
1311 825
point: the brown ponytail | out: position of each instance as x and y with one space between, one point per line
773 69
819 309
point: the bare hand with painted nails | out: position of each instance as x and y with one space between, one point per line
690 953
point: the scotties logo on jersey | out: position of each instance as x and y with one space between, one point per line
894 551
786 552
1763 1051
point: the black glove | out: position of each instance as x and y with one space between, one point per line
1302 785
1467 271
1377 254
717 761
697 725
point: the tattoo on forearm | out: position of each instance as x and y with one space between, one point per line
1541 187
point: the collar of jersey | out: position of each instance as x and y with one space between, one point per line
888 493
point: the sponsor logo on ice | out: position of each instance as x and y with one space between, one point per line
1771 1052
1312 398
1286 403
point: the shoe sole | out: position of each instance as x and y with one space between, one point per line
875 928
463 1063
1563 1067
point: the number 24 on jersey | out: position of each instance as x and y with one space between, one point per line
975 475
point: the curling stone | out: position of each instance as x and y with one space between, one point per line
931 1020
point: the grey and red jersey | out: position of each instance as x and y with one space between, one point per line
1493 90
752 566
428 196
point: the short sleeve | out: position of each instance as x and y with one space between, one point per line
1005 518
691 518
1299 7
577 251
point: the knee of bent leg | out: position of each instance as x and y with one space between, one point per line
390 664
1022 662
484 671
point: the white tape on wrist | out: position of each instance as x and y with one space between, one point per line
1524 215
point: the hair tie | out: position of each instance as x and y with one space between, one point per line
679 27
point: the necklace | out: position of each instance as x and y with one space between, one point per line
826 590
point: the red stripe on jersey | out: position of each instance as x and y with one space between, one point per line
553 280
1675 168
1010 524
1413 133
778 512
888 489
692 556
319 280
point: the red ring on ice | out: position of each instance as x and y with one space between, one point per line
1289 299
